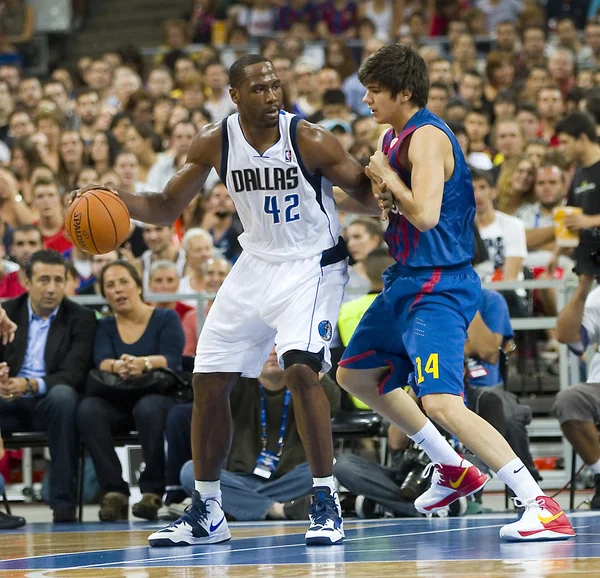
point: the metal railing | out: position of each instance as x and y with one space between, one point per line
201 299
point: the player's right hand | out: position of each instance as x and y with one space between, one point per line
110 187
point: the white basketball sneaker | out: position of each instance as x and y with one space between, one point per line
203 522
542 520
326 524
448 484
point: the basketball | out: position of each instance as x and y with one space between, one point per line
97 222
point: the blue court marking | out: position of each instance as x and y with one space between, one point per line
472 538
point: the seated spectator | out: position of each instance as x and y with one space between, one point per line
578 407
362 236
164 278
27 240
71 280
44 368
218 102
47 201
13 212
135 340
198 246
159 241
97 262
489 332
222 222
515 184
214 272
254 488
504 238
337 18
164 170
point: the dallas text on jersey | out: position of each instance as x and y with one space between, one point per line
265 179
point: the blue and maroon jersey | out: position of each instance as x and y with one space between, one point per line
450 243
288 15
338 21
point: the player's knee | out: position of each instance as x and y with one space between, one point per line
438 408
345 378
212 387
301 368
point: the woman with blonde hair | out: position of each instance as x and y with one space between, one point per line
515 184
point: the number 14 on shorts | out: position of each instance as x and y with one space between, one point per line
289 214
431 367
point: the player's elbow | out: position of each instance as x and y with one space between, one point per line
426 220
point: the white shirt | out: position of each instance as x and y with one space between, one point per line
590 334
220 109
504 238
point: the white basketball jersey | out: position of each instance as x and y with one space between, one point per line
287 213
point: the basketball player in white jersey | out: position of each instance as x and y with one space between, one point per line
287 287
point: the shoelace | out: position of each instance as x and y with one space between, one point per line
323 510
193 514
539 501
434 468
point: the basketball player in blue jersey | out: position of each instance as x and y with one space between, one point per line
286 287
415 331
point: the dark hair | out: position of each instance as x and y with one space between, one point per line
27 228
203 111
440 86
456 127
528 107
397 67
481 112
126 265
457 102
70 269
237 72
43 182
29 150
372 227
117 118
506 96
593 103
84 92
577 123
146 131
45 256
334 96
479 175
113 147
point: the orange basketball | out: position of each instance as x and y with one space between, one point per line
97 222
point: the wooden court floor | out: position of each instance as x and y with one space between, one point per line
403 548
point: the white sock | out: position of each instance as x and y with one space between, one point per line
435 446
595 467
328 482
517 477
208 489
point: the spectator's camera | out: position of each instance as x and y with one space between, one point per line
589 265
410 473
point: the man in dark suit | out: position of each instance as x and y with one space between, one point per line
43 369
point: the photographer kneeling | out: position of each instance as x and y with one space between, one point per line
578 407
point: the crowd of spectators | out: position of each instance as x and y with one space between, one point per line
518 83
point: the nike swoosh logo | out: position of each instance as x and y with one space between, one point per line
517 471
550 519
213 528
458 482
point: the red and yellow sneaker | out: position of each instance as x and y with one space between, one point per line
542 520
449 483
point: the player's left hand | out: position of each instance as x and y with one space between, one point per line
379 165
576 222
384 196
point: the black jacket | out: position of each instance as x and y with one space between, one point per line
70 344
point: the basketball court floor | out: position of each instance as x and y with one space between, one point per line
403 548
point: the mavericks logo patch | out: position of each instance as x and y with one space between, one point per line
325 330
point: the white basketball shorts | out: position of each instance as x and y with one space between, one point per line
293 304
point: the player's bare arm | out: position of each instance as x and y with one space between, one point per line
431 159
163 208
322 151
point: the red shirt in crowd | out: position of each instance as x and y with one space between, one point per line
181 309
10 286
59 242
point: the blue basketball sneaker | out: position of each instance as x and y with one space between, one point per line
203 522
326 524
